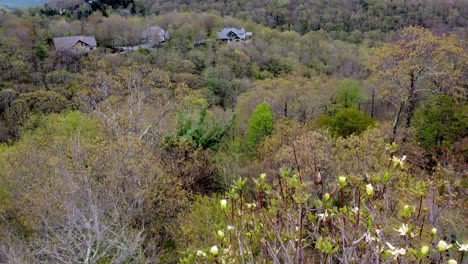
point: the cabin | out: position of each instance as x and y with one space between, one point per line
233 34
75 44
154 35
150 37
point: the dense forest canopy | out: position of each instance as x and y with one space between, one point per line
337 133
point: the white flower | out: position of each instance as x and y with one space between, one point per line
402 230
229 228
200 253
463 247
223 203
434 231
250 205
452 261
397 161
214 250
220 233
324 215
396 251
442 245
369 189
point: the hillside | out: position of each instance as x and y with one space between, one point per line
207 131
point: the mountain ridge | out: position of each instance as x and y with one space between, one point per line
9 4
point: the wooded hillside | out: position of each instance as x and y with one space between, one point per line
335 133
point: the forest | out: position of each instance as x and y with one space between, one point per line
337 133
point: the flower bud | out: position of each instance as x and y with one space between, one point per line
369 189
220 233
294 180
326 197
434 231
223 203
200 253
262 176
424 250
214 250
342 181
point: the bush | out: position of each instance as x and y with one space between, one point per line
346 122
260 125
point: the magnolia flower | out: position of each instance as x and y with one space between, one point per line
397 161
342 181
396 251
463 247
452 261
402 230
200 253
324 215
369 189
424 250
223 203
214 250
250 205
442 245
220 233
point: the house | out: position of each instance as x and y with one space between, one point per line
75 44
233 34
150 37
154 35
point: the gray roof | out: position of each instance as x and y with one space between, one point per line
155 31
66 43
233 33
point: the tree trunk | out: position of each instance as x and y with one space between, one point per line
396 120
411 101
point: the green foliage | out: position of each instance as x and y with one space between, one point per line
219 81
440 122
41 102
346 122
348 93
260 124
40 51
64 124
204 133
7 96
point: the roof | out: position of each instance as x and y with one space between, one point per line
154 31
231 33
66 43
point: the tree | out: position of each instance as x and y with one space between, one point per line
346 122
260 124
348 93
419 64
440 122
